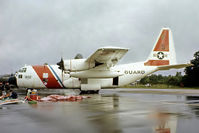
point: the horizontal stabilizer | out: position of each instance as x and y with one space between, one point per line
177 66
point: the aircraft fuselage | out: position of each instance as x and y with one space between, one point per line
50 76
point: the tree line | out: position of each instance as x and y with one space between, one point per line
160 79
190 79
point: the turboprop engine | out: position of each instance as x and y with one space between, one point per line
77 65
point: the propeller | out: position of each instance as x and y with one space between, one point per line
78 56
61 67
61 64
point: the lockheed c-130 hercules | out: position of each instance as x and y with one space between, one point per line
100 70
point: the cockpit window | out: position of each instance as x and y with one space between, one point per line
22 70
20 76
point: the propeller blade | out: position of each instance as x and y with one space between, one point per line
61 64
78 56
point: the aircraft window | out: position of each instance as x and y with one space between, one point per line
22 70
28 76
45 80
20 76
45 75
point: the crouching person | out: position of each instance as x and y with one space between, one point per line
13 94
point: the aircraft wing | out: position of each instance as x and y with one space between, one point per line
177 66
107 56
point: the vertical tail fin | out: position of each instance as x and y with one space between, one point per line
163 52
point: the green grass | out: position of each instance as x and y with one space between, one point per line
159 86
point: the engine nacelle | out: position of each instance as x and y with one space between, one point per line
77 65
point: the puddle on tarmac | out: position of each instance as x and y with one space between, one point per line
110 111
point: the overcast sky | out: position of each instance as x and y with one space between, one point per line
35 31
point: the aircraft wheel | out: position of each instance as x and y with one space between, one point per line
89 92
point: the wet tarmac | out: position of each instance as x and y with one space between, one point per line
111 111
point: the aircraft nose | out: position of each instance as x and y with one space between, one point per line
12 80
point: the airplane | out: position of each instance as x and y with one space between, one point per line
99 70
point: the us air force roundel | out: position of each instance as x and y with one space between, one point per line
160 55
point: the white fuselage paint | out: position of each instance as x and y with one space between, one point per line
130 73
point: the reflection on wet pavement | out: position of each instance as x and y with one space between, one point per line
110 111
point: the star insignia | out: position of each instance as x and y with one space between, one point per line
160 55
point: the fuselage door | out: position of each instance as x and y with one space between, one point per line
115 81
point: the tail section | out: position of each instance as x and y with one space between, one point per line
163 52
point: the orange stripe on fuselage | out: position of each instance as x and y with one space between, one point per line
163 42
51 81
156 62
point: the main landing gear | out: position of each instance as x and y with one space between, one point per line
89 92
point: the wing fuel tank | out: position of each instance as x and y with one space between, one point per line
96 74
